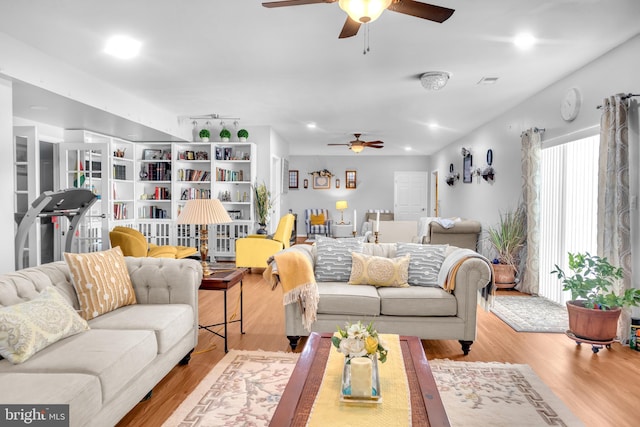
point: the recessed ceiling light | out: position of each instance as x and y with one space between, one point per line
123 47
407 148
38 107
311 125
433 125
524 41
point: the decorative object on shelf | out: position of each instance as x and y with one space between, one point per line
337 182
204 212
452 177
595 306
350 180
263 206
321 179
508 238
225 135
243 135
305 183
204 135
362 348
467 162
488 172
152 154
341 205
119 153
293 179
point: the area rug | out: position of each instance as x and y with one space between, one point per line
498 395
244 388
531 314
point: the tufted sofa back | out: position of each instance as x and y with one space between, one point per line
24 285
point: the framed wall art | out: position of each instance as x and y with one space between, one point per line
293 179
350 179
321 182
467 162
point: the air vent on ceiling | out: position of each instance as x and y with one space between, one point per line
488 80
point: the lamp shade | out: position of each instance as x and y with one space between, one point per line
203 211
356 148
364 10
341 204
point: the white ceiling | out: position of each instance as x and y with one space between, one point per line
286 67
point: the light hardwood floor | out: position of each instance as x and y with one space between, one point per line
601 389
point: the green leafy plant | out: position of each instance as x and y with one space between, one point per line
224 133
263 202
242 133
204 133
509 236
593 281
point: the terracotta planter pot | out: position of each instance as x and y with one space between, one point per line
593 325
504 275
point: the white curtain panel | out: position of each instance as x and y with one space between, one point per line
531 151
614 237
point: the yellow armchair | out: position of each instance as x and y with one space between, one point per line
253 252
133 243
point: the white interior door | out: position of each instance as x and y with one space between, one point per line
409 195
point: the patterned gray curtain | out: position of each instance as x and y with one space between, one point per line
531 147
614 237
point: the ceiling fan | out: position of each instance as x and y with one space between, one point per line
357 146
364 11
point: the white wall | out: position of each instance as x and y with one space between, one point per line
615 72
374 184
7 256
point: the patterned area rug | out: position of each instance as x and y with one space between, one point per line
531 314
244 388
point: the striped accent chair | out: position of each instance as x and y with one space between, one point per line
313 229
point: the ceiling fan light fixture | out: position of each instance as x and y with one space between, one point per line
364 11
356 148
434 80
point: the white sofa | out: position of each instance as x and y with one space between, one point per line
426 312
102 373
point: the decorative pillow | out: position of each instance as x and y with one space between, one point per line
333 259
425 263
30 326
317 219
379 271
101 280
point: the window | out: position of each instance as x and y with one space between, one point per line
568 208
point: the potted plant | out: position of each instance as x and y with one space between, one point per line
243 135
225 135
595 307
508 239
263 206
204 135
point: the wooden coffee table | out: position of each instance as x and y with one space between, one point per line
298 397
223 280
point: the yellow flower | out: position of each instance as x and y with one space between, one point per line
371 344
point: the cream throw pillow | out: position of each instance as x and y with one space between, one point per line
379 271
30 326
101 280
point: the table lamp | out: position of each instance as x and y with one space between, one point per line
203 212
341 205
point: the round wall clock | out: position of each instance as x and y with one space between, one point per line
570 106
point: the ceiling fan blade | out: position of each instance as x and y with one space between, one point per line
349 29
338 144
373 142
294 3
374 146
422 10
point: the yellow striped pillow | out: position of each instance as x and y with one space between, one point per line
101 280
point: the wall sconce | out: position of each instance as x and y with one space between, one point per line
488 172
465 152
452 177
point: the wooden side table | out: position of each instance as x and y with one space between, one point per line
223 280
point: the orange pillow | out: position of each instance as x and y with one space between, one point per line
317 219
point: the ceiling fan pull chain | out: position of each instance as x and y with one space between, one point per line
366 40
